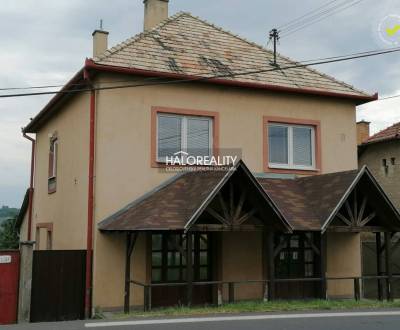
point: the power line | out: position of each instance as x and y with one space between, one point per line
318 18
201 79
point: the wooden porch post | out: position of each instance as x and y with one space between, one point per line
130 244
379 263
388 262
271 264
323 265
189 267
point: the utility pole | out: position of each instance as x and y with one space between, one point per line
274 34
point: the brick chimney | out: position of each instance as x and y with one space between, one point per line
155 11
100 42
362 131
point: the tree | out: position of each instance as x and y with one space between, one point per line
9 236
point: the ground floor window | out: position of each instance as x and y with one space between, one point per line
295 256
169 257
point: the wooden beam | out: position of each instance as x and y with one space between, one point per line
362 210
271 265
379 264
189 268
222 228
280 246
223 206
217 216
350 212
388 263
367 219
355 206
130 244
344 219
311 243
239 206
246 217
345 229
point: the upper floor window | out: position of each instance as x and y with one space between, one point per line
291 146
53 153
188 134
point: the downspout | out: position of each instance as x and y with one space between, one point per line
89 240
30 201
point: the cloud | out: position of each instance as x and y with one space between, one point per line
46 42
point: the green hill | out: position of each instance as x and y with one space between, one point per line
7 212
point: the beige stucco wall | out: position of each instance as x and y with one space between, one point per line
344 260
242 261
67 207
23 231
373 155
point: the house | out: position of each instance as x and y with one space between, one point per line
292 207
381 153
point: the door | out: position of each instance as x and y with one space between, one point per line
9 279
169 268
58 285
295 258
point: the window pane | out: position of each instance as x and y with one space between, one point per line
308 256
156 242
302 146
174 258
203 242
278 144
169 135
203 273
203 258
173 274
309 270
156 275
156 258
174 242
198 136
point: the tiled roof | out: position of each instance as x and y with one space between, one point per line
305 203
184 44
390 133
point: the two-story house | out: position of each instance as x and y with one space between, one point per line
292 207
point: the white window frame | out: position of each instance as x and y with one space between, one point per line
290 165
184 126
55 157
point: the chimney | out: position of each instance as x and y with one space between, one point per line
100 42
155 11
362 131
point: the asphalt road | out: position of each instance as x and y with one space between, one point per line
368 320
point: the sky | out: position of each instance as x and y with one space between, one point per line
45 42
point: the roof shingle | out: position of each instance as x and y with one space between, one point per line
390 133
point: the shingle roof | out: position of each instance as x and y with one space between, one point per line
185 44
305 203
390 133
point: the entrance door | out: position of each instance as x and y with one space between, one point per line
9 277
169 267
296 258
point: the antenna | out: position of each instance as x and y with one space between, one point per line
274 34
101 24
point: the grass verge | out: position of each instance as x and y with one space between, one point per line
257 306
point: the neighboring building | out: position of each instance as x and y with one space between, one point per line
381 153
101 183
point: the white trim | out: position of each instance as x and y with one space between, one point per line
290 165
240 318
184 127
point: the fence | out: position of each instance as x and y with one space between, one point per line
231 285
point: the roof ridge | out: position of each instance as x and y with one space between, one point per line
383 130
139 36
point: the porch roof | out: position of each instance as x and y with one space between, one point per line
304 204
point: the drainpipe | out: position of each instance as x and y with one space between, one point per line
89 245
30 202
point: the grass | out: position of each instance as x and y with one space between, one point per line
257 306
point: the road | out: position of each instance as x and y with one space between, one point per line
366 320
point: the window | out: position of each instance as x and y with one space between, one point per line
53 153
189 134
291 146
169 258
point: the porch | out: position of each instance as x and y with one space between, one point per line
212 237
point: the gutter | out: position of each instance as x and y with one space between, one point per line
89 238
30 203
90 64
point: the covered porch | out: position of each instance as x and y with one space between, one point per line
221 236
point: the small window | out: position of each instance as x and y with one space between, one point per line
291 146
188 134
393 161
53 155
384 162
